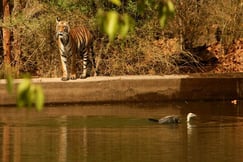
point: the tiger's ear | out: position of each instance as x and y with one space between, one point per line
58 20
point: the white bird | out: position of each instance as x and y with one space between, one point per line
172 119
190 116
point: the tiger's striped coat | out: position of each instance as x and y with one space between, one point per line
72 42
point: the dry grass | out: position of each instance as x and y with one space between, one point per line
146 50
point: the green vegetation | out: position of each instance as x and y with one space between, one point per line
110 22
28 94
146 49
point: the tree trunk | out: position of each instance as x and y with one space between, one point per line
16 37
6 33
1 40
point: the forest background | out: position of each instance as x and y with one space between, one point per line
203 36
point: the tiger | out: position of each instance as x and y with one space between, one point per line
72 42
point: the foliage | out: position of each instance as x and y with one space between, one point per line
113 23
146 49
28 94
10 84
196 22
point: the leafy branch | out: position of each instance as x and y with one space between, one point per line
113 23
28 94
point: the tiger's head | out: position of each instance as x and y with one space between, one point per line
62 31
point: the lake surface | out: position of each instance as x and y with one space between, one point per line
121 132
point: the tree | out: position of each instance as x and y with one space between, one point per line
27 93
6 33
1 42
16 36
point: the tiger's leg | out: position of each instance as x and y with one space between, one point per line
93 60
73 67
64 65
85 62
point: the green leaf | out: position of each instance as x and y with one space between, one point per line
22 93
40 98
116 2
24 86
124 28
165 11
162 20
100 17
111 25
171 7
9 84
29 94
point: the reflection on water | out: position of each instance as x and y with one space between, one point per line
122 133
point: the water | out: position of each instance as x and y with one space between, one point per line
122 133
